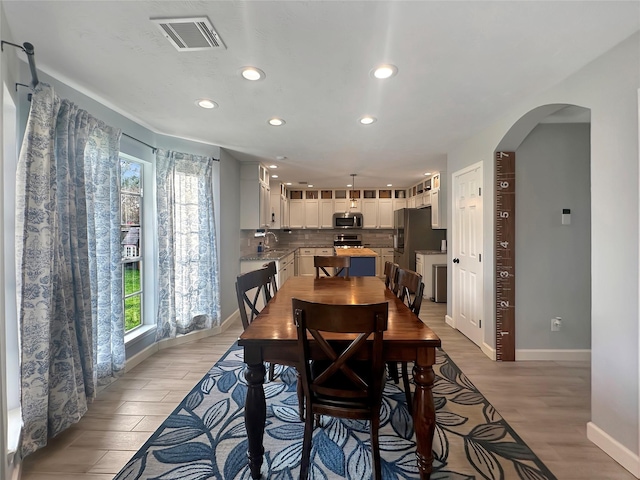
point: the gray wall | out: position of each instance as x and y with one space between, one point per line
553 261
609 88
229 214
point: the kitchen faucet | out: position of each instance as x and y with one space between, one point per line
266 240
265 234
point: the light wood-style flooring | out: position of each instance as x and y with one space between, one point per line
547 403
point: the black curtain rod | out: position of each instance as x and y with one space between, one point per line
153 149
27 48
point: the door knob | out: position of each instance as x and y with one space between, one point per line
456 260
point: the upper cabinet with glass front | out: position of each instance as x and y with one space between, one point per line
255 196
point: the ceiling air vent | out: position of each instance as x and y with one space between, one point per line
189 34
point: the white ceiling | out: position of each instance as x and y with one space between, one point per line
460 64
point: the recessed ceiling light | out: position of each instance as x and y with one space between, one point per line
273 166
427 174
309 185
274 176
384 71
276 122
367 120
206 103
288 183
389 185
252 73
349 185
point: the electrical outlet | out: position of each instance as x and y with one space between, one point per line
306 236
556 324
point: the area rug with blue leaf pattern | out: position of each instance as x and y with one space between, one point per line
205 437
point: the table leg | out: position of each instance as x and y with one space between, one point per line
255 414
424 414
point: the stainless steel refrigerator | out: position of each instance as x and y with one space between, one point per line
412 231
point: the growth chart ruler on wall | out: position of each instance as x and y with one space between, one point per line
505 256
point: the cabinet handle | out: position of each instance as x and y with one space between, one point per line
456 260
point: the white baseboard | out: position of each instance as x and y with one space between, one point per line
448 319
614 449
558 355
488 350
172 342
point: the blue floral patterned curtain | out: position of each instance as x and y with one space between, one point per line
188 292
58 189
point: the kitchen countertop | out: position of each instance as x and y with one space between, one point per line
355 252
275 254
431 252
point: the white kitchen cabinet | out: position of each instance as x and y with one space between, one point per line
435 209
285 268
255 196
369 212
438 201
279 206
311 214
296 213
399 203
427 261
285 213
387 256
426 198
326 213
385 213
340 205
305 262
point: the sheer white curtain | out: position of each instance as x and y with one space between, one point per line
68 280
188 290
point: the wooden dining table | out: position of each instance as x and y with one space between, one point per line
272 337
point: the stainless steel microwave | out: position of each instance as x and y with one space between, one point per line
347 220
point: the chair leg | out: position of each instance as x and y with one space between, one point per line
407 386
300 397
375 448
271 371
393 371
306 446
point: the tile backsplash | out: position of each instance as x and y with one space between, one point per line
314 238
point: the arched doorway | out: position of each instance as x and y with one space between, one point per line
548 312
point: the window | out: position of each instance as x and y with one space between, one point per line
131 195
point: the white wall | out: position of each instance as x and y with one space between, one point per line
553 261
608 86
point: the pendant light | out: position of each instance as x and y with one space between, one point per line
354 201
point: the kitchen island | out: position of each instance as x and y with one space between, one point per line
363 261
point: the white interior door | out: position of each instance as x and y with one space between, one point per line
467 226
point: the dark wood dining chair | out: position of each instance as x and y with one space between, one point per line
273 278
339 264
249 287
390 275
410 289
349 383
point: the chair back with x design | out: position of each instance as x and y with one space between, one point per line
410 289
391 276
249 287
349 382
338 263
